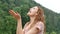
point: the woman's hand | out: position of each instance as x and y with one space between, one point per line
15 14
19 24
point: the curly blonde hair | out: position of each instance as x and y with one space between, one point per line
40 17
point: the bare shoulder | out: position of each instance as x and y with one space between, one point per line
27 23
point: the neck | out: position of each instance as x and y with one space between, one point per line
32 19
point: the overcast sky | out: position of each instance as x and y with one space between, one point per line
51 4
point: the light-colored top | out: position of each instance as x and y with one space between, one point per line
39 25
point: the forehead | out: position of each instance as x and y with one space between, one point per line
35 7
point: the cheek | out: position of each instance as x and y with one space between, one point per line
32 10
36 10
30 13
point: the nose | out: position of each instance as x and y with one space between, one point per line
30 8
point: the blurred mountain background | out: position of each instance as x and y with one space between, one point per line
8 23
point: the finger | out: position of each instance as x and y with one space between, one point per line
12 12
17 13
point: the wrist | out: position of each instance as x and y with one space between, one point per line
19 19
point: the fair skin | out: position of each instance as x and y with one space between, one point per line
32 14
18 18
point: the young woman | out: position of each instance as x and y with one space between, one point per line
36 25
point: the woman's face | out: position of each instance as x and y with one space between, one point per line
33 11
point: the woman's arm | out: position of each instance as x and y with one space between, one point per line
19 24
19 27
